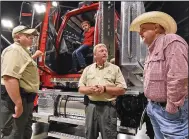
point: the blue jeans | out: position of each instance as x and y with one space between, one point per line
77 55
166 125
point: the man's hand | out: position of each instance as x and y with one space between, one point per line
37 54
18 110
98 89
92 90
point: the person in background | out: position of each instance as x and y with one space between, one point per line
165 74
19 84
102 82
77 55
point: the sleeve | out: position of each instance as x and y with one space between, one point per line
83 78
92 29
177 76
13 63
120 81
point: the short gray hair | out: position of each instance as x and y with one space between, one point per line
97 46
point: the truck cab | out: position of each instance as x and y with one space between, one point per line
63 34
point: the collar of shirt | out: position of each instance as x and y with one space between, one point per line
152 46
103 66
23 48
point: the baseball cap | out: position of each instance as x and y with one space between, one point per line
24 29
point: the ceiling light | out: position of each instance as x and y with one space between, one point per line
54 3
7 23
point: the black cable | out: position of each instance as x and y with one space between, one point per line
56 105
65 106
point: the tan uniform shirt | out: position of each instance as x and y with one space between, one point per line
109 75
17 62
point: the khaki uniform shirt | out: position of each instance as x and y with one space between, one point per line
109 75
17 62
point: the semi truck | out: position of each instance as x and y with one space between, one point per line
59 105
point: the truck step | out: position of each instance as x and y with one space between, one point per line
78 121
63 135
127 130
41 117
81 121
59 92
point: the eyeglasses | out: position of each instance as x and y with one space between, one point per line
29 36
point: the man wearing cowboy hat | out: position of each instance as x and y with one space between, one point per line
19 84
165 74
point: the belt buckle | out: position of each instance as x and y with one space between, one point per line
113 103
164 105
161 104
157 103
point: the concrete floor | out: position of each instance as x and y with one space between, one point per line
40 132
140 134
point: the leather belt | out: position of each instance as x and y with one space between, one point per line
22 91
110 103
30 96
162 104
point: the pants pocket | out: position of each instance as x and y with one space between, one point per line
171 116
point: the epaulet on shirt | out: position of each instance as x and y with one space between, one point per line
88 67
8 48
169 38
12 46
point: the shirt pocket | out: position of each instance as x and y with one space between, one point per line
31 67
34 63
157 84
91 80
157 74
90 76
109 79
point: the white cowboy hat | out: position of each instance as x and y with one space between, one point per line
165 20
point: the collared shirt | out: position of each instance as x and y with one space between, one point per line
107 75
17 62
166 71
89 37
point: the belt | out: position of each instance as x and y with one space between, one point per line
30 96
22 91
163 104
110 103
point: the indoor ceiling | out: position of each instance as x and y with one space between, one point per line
179 10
